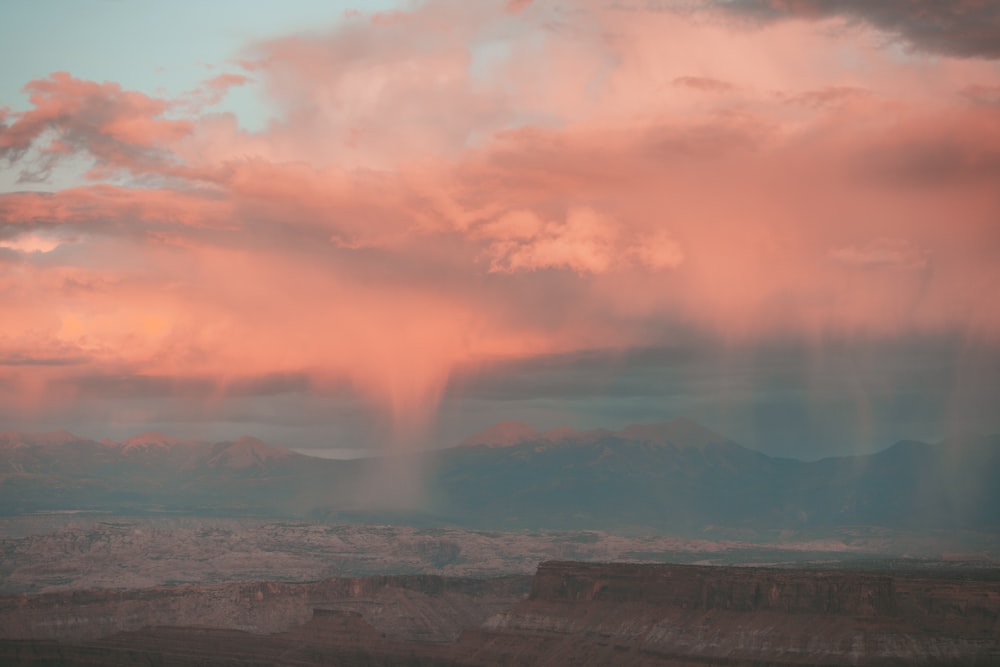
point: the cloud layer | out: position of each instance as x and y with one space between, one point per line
460 183
964 28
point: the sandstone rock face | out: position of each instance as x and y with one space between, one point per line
417 607
576 614
634 614
733 588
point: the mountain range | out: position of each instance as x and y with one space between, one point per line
673 477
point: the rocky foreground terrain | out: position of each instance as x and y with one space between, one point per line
569 613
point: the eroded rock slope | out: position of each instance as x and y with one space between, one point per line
576 613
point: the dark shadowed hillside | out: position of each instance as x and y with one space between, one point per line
681 477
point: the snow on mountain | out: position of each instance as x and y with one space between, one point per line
152 439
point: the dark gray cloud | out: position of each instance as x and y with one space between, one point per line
787 398
131 386
703 84
270 384
965 28
928 157
783 398
28 360
988 96
827 97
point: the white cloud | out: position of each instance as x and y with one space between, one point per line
588 241
32 243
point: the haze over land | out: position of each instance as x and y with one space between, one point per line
674 478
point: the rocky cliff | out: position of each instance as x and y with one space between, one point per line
733 588
582 614
413 607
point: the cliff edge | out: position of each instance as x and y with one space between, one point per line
576 613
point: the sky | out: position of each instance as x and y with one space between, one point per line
382 225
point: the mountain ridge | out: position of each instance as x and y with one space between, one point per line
674 477
680 431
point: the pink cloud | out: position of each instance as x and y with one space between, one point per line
882 253
33 243
518 5
586 242
120 129
107 205
213 90
459 183
703 84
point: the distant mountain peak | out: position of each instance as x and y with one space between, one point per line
16 438
248 452
680 431
152 439
250 441
559 433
